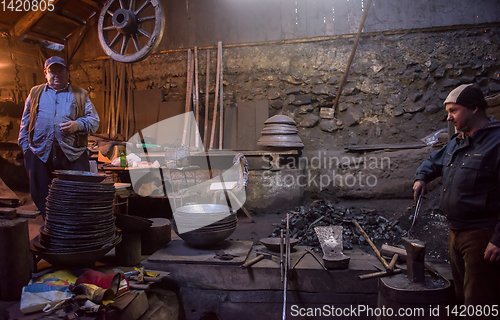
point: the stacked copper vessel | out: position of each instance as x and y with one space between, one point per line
280 131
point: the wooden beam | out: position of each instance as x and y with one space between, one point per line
39 36
27 21
68 20
92 4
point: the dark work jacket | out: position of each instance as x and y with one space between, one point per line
470 169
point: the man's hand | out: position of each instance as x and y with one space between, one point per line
418 189
492 252
69 127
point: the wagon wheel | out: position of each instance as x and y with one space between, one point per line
125 23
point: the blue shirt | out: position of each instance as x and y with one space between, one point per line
56 107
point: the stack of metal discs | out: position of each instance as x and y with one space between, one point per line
79 217
280 131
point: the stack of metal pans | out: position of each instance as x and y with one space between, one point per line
79 219
204 225
280 131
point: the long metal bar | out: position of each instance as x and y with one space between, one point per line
411 233
281 255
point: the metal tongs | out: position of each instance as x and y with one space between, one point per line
411 233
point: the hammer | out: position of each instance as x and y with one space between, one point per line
389 268
259 257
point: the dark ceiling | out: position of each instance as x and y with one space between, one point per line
50 28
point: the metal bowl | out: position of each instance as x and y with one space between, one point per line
280 119
273 244
291 140
204 239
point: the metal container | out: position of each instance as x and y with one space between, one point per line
288 141
280 119
280 131
206 224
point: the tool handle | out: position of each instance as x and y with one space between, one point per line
379 274
393 261
252 262
367 238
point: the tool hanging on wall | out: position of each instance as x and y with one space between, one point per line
216 100
221 84
207 100
130 101
353 52
197 95
189 88
104 95
111 115
120 110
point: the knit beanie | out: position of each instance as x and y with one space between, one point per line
467 95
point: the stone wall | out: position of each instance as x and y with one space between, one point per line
394 93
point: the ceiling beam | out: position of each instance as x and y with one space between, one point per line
92 4
39 36
68 20
27 21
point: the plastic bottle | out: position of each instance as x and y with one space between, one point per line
123 160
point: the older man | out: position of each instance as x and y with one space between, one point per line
470 168
56 120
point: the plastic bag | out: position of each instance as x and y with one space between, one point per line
432 139
48 289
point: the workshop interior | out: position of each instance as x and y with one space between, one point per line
247 159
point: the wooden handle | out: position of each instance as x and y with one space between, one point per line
393 261
367 238
252 262
379 274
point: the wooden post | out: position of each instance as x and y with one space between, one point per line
189 87
104 95
129 101
112 98
221 128
197 95
128 251
207 100
217 83
15 271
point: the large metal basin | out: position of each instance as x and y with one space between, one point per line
215 225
